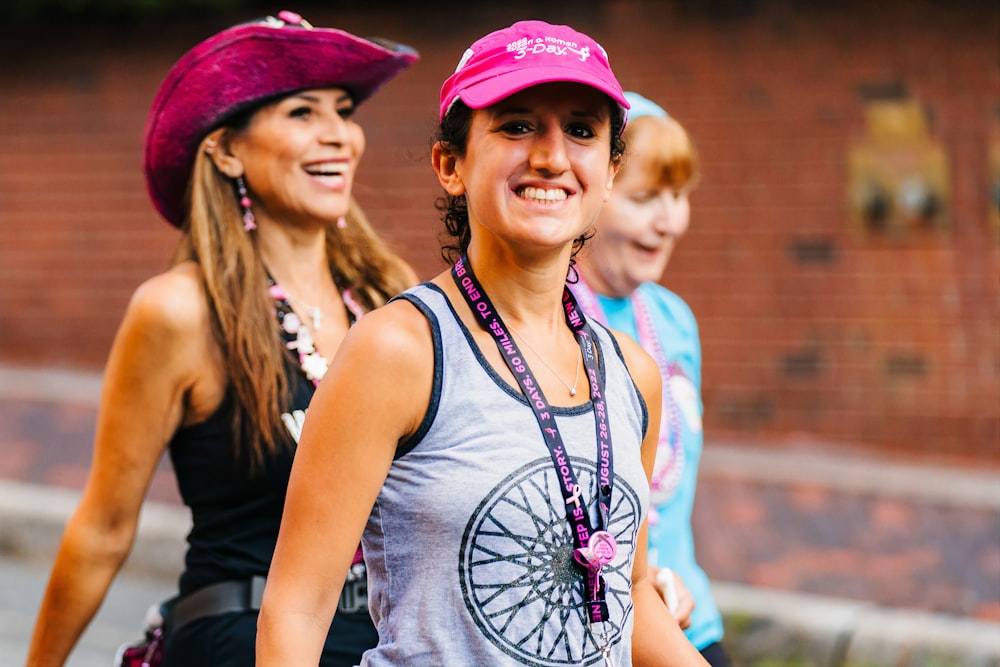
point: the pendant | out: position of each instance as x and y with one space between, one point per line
600 550
604 546
572 392
317 318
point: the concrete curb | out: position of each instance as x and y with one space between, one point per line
50 385
809 462
766 624
859 473
761 624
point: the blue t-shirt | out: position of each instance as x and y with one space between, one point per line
670 540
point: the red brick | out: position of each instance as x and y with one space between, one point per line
772 101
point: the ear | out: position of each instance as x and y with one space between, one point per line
612 172
217 146
446 167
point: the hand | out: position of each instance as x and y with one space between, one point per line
674 594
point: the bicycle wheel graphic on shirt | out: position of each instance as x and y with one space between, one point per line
517 571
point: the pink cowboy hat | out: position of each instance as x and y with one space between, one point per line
240 68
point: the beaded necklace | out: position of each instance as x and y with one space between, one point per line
669 464
298 337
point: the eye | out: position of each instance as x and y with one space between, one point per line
516 127
645 196
581 131
346 112
303 111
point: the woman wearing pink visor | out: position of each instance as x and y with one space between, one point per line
490 445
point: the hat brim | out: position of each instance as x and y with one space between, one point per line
238 69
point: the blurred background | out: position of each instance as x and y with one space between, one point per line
843 259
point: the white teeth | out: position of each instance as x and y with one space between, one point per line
542 194
326 170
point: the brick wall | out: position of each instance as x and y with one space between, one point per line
812 329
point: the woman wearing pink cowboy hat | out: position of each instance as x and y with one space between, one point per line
502 490
251 150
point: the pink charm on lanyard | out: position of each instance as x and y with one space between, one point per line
600 550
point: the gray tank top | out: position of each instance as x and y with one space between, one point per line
469 551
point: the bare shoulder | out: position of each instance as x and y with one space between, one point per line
384 366
397 333
167 334
172 301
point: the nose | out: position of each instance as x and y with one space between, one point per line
548 151
334 129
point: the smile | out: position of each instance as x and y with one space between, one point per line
542 194
326 169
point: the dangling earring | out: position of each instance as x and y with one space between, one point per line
248 220
341 222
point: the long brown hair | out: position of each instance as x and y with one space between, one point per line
243 320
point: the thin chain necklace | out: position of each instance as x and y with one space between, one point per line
576 379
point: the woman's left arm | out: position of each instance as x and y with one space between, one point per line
657 640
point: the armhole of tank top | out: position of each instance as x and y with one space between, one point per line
621 357
405 446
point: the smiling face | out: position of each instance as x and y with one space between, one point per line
537 166
648 211
299 156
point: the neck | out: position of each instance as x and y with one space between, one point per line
295 257
529 302
596 280
297 261
528 294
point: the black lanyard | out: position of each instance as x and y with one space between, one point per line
593 548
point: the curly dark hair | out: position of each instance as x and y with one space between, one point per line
453 133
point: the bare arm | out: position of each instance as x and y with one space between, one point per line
150 368
657 640
374 394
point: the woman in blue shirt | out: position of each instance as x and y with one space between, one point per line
639 227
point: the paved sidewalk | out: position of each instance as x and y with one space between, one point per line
819 555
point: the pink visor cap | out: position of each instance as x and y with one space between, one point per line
526 54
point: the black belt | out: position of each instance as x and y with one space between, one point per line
219 598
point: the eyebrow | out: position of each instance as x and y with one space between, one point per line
312 98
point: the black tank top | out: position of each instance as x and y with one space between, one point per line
235 513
